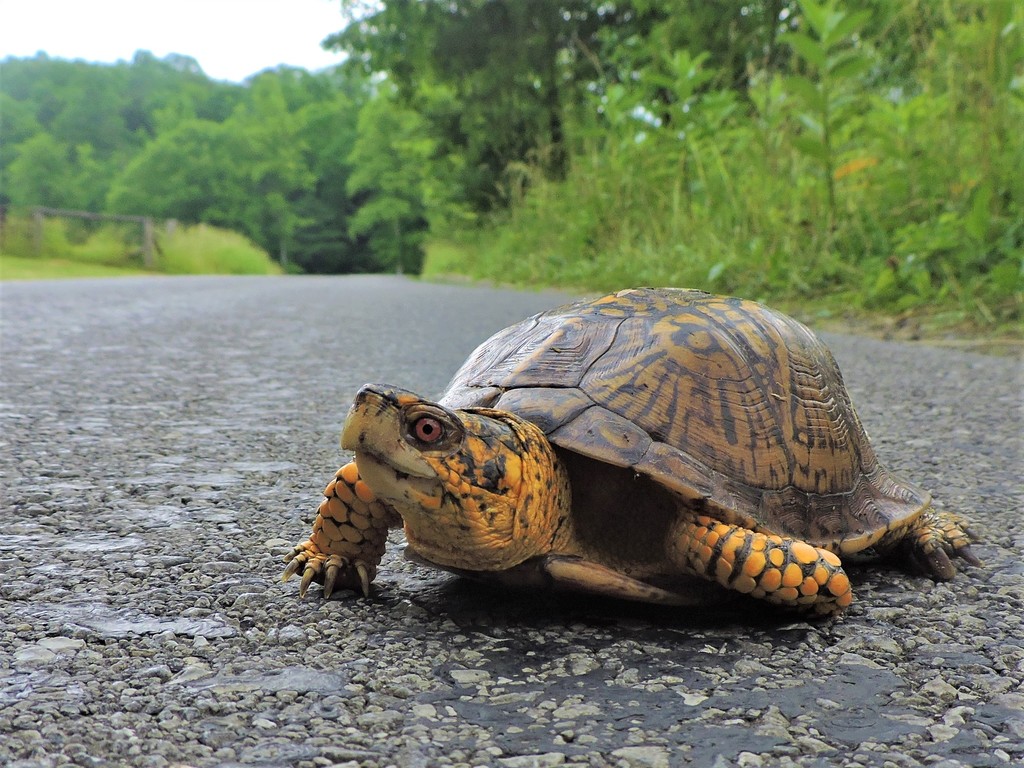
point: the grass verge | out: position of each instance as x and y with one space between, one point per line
69 250
940 324
20 268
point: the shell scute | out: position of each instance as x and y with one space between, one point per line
543 351
548 408
604 435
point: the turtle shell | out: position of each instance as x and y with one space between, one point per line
735 407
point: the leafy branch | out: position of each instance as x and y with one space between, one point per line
825 96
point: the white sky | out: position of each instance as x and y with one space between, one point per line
231 39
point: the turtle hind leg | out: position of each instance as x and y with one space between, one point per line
774 568
931 542
348 539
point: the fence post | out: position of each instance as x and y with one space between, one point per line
37 230
147 242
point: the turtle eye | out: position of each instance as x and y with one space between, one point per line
427 429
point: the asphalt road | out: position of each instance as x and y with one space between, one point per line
164 441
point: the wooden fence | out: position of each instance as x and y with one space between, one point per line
39 213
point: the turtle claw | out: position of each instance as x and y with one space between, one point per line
307 578
968 555
329 578
339 568
294 563
364 578
937 564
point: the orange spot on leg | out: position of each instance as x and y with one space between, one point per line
771 580
787 595
754 564
363 491
829 557
839 585
803 553
344 493
809 586
744 584
723 570
792 575
349 473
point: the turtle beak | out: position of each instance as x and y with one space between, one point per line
374 428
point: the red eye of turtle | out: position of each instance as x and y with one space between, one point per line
427 429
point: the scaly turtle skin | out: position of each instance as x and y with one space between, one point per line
647 445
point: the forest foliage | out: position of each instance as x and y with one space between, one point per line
156 137
862 150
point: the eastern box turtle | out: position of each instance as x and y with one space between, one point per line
647 445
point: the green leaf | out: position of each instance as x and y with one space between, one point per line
812 124
921 282
976 222
811 51
1007 276
812 147
840 101
845 26
885 283
816 15
807 92
848 64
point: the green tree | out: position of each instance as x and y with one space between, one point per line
196 173
41 173
487 76
388 164
275 167
323 243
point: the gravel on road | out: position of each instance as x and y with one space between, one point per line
164 441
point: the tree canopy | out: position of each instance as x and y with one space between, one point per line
158 138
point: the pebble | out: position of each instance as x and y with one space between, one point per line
33 655
545 760
62 644
469 676
942 732
940 690
643 757
575 711
291 634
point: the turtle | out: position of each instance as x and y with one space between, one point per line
658 445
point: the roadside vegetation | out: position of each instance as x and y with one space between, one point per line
78 249
833 155
872 166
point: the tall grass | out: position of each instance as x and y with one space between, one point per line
208 250
907 199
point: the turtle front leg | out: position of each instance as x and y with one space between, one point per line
348 540
780 570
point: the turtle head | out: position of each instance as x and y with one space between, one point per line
477 489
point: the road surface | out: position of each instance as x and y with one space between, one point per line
163 441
